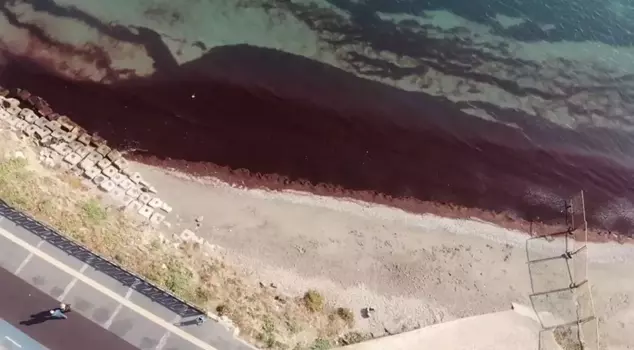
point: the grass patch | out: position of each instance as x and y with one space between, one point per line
188 271
321 344
93 211
313 300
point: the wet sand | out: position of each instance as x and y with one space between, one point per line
232 114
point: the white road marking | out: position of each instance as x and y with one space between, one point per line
116 297
71 284
13 341
163 340
119 307
27 259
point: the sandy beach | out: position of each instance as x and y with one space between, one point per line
415 270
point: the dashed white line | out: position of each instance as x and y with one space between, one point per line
108 323
27 259
163 340
72 284
13 341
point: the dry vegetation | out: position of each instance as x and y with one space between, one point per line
264 317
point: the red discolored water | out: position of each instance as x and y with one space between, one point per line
247 115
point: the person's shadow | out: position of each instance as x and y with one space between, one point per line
38 318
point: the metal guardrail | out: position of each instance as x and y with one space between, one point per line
99 263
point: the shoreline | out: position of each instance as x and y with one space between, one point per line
243 179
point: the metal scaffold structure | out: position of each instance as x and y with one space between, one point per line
561 292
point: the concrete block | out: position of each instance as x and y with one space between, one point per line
91 173
57 134
46 141
166 208
157 218
41 122
53 116
74 145
155 203
83 151
84 138
94 156
126 171
97 140
4 115
72 158
121 163
86 164
103 149
66 123
103 163
145 198
107 186
63 149
70 136
117 193
118 178
134 193
13 102
13 111
12 121
58 146
53 125
136 178
42 132
110 171
28 115
113 155
127 200
99 178
28 129
126 184
134 207
146 211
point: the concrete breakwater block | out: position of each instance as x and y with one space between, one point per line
72 159
94 156
91 173
110 171
155 202
134 192
157 218
86 164
133 207
83 151
145 198
146 211
118 178
103 163
107 185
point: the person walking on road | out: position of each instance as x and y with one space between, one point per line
58 313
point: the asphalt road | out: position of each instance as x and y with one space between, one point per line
18 300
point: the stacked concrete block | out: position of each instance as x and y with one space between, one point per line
146 212
71 148
157 218
72 159
145 198
91 173
107 185
110 171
